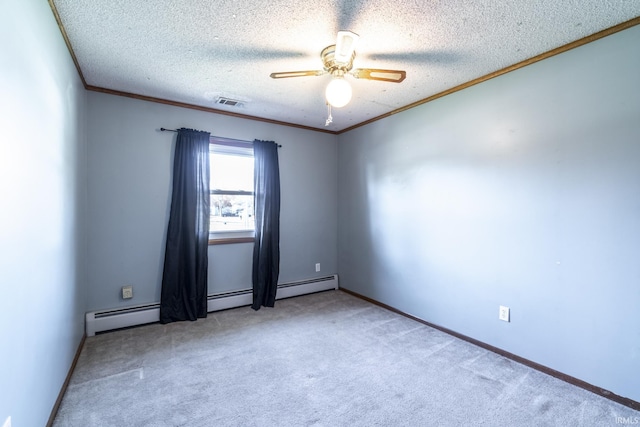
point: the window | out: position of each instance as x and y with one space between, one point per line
231 166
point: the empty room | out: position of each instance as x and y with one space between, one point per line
330 213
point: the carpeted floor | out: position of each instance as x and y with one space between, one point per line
327 359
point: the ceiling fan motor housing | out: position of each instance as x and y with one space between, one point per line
335 68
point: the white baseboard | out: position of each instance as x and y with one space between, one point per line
107 320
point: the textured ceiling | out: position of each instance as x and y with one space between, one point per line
194 51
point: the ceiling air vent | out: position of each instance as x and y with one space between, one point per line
228 101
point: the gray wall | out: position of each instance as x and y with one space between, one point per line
521 191
129 183
42 193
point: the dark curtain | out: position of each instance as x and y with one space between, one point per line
184 280
266 249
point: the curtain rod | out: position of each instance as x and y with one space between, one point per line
246 142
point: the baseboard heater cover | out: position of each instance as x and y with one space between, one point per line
107 320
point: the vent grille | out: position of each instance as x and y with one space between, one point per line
229 102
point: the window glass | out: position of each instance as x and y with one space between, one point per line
231 169
231 172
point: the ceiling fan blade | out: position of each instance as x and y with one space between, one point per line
287 74
345 46
393 76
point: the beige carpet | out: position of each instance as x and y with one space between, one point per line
327 359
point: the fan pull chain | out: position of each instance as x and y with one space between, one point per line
329 119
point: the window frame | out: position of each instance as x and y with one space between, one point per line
239 148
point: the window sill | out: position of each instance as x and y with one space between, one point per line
230 240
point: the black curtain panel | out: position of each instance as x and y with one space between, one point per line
184 280
266 249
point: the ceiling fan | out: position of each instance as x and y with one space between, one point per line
338 61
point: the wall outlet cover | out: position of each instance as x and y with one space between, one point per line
317 267
504 313
127 292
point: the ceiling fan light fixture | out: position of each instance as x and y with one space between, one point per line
338 92
345 45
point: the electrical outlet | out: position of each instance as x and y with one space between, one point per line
317 267
7 422
127 292
504 313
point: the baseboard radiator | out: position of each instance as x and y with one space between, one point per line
107 320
